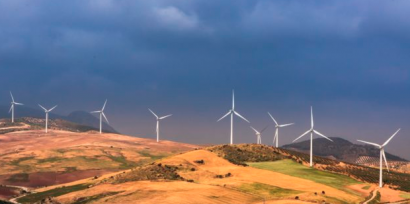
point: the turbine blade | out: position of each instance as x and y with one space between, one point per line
254 130
163 117
390 138
370 143
233 99
20 104
239 115
52 108
105 103
311 116
264 129
273 118
385 160
43 108
105 117
11 107
286 125
224 116
95 112
153 113
302 135
320 134
12 98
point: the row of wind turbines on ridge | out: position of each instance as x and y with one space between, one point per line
232 112
311 131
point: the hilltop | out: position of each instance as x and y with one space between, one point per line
340 149
246 173
79 117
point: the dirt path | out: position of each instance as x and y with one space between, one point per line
374 194
14 200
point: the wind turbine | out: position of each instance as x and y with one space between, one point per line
382 156
277 126
232 112
311 131
158 119
258 134
12 107
47 111
101 112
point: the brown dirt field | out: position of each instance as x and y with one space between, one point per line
359 188
390 195
62 156
7 193
179 192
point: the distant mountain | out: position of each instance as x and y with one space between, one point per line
79 117
85 118
340 149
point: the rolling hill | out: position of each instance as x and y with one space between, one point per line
35 159
79 117
244 173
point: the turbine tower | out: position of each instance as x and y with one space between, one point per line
101 112
12 107
232 112
47 111
311 131
158 119
258 134
277 126
382 156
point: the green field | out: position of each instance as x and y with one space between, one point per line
292 168
32 198
267 191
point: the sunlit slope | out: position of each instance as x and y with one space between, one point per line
33 158
243 153
199 176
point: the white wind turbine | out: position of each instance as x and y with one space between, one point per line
101 112
277 126
382 155
12 107
232 112
47 111
158 119
311 131
258 134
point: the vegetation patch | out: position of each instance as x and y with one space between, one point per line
292 168
124 163
17 161
239 154
405 195
150 172
367 187
84 200
35 197
22 177
152 156
267 191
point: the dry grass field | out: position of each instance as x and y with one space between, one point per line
68 167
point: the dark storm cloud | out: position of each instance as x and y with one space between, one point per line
347 58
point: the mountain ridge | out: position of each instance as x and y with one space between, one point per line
341 149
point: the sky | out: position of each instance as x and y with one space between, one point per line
348 59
